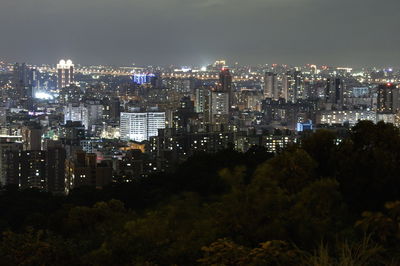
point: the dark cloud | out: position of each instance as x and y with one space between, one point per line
340 32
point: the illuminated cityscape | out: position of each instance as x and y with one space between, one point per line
207 132
175 111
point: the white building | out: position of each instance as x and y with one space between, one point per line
88 114
220 107
65 73
76 113
140 126
345 116
220 102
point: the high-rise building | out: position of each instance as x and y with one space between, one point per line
271 86
21 74
203 103
9 158
94 113
35 81
32 137
297 86
65 71
285 86
73 132
32 170
155 121
55 169
202 95
89 113
43 170
55 165
225 85
111 108
388 99
83 170
179 145
183 115
292 86
23 83
220 107
21 79
140 126
334 91
225 80
76 113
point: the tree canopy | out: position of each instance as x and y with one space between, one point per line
330 200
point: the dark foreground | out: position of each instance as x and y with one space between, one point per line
324 202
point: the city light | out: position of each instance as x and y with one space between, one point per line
143 78
44 96
209 132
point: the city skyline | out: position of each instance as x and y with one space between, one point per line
195 66
359 33
199 132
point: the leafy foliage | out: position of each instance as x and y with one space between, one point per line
332 200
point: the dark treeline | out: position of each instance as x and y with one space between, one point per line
322 202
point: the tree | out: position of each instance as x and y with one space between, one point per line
318 213
36 248
321 146
226 252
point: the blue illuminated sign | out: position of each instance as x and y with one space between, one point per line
143 78
304 126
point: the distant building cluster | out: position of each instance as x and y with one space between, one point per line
66 126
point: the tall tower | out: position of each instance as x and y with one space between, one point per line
65 70
285 86
225 82
225 86
21 80
298 86
271 86
388 99
35 79
220 109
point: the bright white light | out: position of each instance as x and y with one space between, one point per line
43 96
203 68
65 64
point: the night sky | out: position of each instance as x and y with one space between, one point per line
195 32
